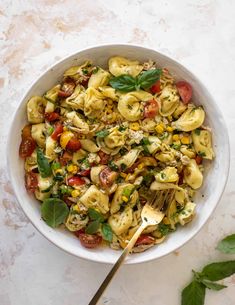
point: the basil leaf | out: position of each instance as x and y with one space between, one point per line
93 227
43 164
107 232
218 271
94 215
227 245
193 294
146 79
123 83
54 211
102 133
213 286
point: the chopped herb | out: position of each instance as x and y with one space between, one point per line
95 70
164 135
201 153
58 177
113 166
55 166
145 141
122 128
163 175
64 189
127 192
102 133
123 151
145 219
85 164
85 71
164 229
147 179
197 131
123 166
176 146
50 130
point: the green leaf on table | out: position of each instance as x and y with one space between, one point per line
146 79
54 211
93 227
95 215
107 232
123 83
193 294
213 286
43 164
227 245
218 271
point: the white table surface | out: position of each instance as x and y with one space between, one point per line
36 34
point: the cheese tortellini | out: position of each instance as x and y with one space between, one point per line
106 141
120 65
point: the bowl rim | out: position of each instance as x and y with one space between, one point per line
52 66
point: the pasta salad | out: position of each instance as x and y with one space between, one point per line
102 142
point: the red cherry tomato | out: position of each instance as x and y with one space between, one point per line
27 147
51 116
144 240
104 158
150 109
90 241
81 231
73 144
198 160
107 177
65 158
67 88
85 172
57 131
185 91
31 182
156 88
75 180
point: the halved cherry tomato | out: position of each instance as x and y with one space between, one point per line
26 132
66 158
150 109
198 160
85 172
51 116
185 91
31 182
67 88
90 241
144 240
107 177
104 158
75 180
27 147
156 88
73 144
57 131
81 231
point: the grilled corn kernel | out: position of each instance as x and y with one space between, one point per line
65 128
175 137
135 126
159 128
166 221
59 171
141 166
123 175
75 193
76 208
185 140
124 198
169 129
72 168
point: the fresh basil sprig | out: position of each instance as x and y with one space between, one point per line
127 83
194 293
96 223
43 164
102 133
227 245
54 211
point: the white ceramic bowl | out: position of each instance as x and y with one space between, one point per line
215 175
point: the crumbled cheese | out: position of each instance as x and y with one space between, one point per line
137 136
92 157
185 160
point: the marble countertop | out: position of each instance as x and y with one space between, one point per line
36 34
